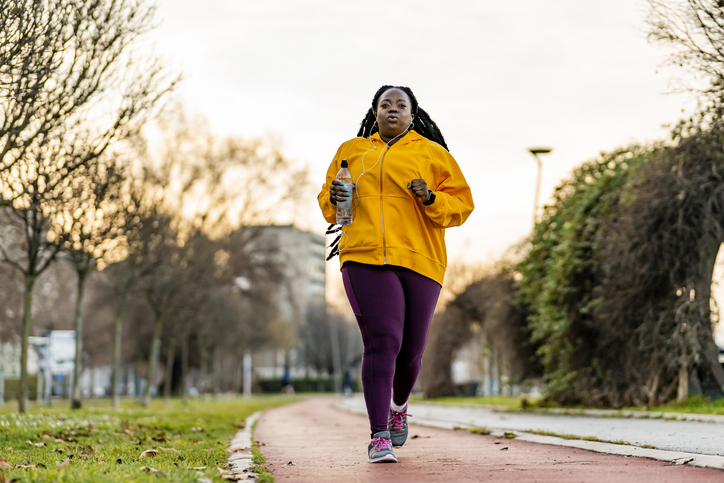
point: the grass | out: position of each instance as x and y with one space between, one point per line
512 402
98 444
575 436
258 460
694 405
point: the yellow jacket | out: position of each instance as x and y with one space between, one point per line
390 225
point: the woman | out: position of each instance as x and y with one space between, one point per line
408 190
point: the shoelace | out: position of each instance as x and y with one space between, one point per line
381 443
398 419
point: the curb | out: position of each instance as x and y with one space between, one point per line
240 458
673 457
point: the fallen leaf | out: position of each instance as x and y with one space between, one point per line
204 480
26 467
148 469
2 478
199 468
46 436
119 461
684 461
4 465
290 464
504 448
58 440
63 464
197 429
149 452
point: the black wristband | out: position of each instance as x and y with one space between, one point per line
430 199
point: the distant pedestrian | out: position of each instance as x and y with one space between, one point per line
408 190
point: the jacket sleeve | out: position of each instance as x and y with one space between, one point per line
329 210
453 198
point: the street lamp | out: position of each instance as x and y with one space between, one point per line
535 152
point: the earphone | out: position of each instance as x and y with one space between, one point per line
365 171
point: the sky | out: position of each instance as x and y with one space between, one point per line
497 77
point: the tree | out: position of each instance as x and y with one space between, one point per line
70 90
93 219
694 29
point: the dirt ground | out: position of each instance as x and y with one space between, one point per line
312 441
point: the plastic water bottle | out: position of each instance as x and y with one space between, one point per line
344 208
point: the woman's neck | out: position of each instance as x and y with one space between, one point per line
390 140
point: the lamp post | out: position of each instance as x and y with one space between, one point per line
535 152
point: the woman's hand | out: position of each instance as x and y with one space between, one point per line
419 189
337 193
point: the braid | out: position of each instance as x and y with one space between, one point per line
422 122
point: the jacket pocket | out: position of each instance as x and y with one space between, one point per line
402 221
365 230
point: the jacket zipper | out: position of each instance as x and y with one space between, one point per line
382 211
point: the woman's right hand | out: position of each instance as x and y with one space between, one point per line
337 193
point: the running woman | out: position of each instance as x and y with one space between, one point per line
408 190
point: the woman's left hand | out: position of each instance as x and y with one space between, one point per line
419 189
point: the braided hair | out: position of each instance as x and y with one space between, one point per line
422 123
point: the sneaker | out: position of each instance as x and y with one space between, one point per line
380 449
397 425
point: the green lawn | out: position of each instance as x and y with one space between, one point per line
98 444
511 402
695 404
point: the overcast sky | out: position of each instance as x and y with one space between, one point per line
497 77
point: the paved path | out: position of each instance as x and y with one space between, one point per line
313 441
686 436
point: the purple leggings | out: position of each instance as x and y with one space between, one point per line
394 307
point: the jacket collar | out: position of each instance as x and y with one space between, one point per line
409 137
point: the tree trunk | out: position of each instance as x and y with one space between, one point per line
27 308
117 339
92 371
153 360
169 371
76 398
2 374
683 390
185 363
215 373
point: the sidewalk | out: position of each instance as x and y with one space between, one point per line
314 441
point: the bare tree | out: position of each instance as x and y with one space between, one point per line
93 221
69 94
694 30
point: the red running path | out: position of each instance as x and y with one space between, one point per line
312 441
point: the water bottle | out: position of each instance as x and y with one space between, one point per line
344 208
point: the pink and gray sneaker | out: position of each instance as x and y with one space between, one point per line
380 449
397 425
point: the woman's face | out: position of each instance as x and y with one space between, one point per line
394 113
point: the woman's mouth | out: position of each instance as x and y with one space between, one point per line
392 118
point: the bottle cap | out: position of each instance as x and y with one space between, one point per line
344 163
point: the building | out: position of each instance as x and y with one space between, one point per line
302 256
